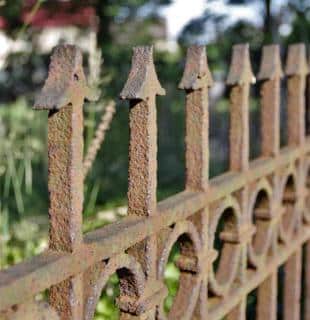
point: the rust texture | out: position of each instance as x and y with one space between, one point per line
63 95
270 74
234 231
239 78
296 70
196 81
141 89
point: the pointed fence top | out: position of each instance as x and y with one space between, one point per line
65 81
196 73
270 67
296 62
142 82
240 71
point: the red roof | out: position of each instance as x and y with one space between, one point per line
57 14
3 23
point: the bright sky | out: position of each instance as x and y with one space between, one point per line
180 12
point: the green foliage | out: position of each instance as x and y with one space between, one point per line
172 277
22 159
106 307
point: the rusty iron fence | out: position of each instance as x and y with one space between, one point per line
235 231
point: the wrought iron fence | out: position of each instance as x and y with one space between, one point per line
235 231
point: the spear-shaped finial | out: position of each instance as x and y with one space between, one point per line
195 81
63 95
196 74
296 70
270 67
239 78
142 81
66 82
240 71
140 89
296 62
270 74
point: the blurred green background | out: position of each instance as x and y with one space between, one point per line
109 29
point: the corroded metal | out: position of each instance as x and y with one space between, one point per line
31 310
270 74
196 81
292 286
267 298
239 78
258 211
141 89
296 70
63 95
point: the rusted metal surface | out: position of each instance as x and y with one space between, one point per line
31 310
63 95
258 211
141 89
270 74
296 71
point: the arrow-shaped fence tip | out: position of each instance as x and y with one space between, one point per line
240 71
270 67
66 80
196 73
296 62
64 69
142 82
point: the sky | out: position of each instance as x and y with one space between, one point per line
180 12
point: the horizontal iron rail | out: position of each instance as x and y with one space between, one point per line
28 278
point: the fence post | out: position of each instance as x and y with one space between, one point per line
296 71
240 77
270 74
63 95
141 89
196 81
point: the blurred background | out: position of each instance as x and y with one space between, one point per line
106 31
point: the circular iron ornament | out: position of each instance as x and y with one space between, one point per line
221 279
289 218
260 205
132 280
185 301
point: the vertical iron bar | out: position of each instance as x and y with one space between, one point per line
240 77
270 74
140 89
63 95
267 298
196 81
292 286
296 71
